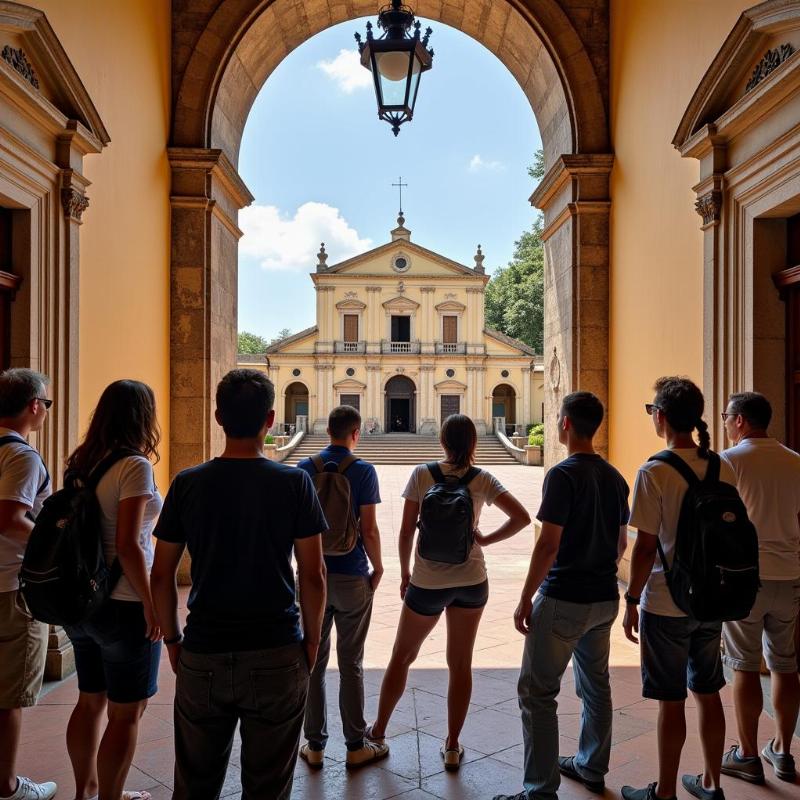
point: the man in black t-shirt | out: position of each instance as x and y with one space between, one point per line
584 515
243 657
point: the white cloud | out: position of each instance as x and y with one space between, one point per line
282 242
346 71
477 164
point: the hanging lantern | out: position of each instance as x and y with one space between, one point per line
397 60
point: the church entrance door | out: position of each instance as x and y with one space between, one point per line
400 408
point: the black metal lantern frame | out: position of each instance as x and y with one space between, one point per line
397 60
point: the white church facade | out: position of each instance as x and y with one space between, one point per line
401 336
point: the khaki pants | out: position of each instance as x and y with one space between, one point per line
23 649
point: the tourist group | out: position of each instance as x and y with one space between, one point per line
280 555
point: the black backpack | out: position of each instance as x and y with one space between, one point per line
446 517
714 572
64 577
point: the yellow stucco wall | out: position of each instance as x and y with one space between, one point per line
659 52
121 50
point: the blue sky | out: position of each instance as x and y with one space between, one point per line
320 165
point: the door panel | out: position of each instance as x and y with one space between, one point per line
449 330
351 327
353 400
451 404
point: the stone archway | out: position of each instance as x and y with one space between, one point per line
295 403
558 52
504 403
400 408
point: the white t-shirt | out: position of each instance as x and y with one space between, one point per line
655 508
131 476
22 479
484 489
768 479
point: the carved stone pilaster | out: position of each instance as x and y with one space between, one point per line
74 203
709 207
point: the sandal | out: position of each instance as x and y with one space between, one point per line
369 735
452 758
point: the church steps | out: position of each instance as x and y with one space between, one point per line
404 449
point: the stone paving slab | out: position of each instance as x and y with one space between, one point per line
492 733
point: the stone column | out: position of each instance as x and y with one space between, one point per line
525 419
427 423
575 200
428 335
474 338
470 404
373 409
206 196
375 318
482 421
319 423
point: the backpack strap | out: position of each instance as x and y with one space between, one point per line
96 475
712 471
678 464
319 464
436 471
469 476
346 463
9 438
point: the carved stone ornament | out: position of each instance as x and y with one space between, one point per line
401 287
555 370
74 203
709 206
16 58
351 295
450 296
769 63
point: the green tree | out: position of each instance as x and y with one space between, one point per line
252 343
536 170
283 333
515 294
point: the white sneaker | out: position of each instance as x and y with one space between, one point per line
28 790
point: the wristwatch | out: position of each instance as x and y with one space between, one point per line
631 601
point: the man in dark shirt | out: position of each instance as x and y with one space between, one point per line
351 588
243 657
584 515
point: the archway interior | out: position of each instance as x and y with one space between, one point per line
504 403
400 405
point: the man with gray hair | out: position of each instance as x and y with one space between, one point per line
24 486
768 480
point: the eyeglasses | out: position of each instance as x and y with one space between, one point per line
726 414
45 401
651 407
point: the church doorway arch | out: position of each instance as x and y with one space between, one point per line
400 408
296 403
504 403
558 53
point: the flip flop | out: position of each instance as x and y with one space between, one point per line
452 758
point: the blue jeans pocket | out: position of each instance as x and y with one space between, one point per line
570 620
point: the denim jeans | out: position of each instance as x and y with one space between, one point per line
560 630
265 692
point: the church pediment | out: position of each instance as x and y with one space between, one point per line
451 305
351 305
450 386
401 303
349 385
758 64
39 70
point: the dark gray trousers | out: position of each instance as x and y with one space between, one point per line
265 692
350 609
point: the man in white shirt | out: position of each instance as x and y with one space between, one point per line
24 486
768 479
678 652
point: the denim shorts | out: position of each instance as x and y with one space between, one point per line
113 655
430 602
679 652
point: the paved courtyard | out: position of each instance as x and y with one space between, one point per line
492 735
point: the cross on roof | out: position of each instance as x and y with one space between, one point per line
400 186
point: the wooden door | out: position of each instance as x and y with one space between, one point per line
788 282
9 283
451 404
351 327
449 330
353 400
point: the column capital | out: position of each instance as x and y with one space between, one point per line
426 367
374 288
324 288
427 289
475 290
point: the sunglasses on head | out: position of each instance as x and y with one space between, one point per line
45 401
651 407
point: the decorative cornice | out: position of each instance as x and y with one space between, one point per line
324 288
569 166
769 63
351 305
709 206
475 290
16 58
74 203
374 288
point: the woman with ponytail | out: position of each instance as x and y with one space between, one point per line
677 651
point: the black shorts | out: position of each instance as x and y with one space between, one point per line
431 602
113 655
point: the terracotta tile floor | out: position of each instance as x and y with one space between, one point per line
492 735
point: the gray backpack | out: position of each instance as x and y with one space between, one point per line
333 490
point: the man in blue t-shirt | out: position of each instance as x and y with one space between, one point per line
584 515
351 587
244 657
